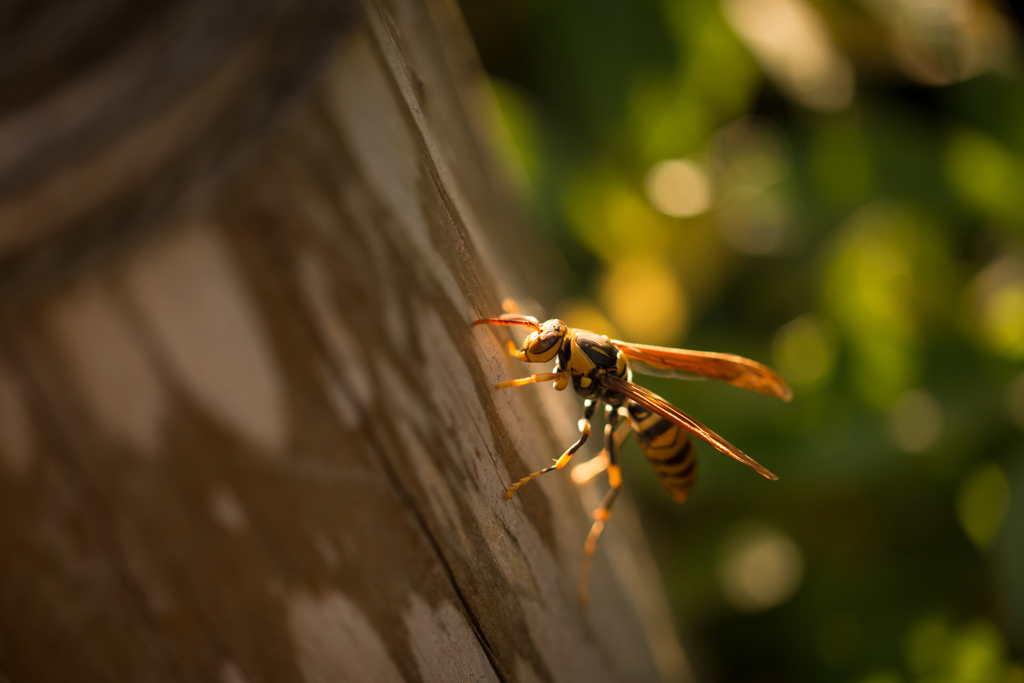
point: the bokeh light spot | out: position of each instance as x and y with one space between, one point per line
631 223
645 300
679 188
805 349
942 42
977 653
760 567
985 173
585 315
982 502
790 40
882 265
974 653
915 421
611 219
1004 319
998 302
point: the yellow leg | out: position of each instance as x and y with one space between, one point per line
588 412
586 471
543 377
604 512
601 515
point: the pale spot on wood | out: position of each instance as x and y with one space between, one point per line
16 437
230 672
345 353
111 369
227 510
334 641
189 291
445 647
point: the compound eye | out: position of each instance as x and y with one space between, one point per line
544 341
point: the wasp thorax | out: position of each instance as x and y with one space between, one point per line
543 345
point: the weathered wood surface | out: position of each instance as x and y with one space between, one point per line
246 433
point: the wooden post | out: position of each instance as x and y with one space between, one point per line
246 432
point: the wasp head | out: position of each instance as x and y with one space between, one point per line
543 345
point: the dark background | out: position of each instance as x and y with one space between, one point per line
843 199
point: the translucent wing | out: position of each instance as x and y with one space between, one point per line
682 364
658 405
661 371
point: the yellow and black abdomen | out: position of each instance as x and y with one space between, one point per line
669 450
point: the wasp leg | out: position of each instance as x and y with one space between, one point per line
520 320
543 377
584 472
604 511
589 406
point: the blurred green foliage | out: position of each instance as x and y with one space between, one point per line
835 188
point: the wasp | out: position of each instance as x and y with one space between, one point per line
600 371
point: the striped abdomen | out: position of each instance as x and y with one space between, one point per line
669 450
